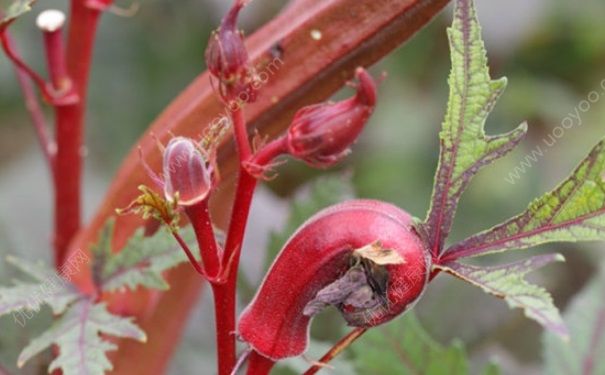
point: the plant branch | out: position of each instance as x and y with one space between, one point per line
338 348
225 295
202 225
70 127
10 52
32 105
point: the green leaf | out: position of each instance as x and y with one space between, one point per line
47 288
77 334
585 317
11 10
323 192
403 347
573 211
508 282
141 262
464 147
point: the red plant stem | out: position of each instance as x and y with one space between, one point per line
67 160
270 151
33 107
20 64
202 225
188 252
55 59
70 128
341 345
225 295
259 364
68 176
241 134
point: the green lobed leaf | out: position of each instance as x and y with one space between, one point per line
464 147
48 288
11 10
77 334
508 282
141 262
585 317
573 211
403 347
323 192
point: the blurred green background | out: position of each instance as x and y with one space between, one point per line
553 53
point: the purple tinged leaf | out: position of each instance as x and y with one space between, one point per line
464 147
78 335
507 282
573 211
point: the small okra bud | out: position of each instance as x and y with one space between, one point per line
321 134
363 257
227 56
186 172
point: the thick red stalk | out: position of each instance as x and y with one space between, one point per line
66 176
225 295
55 59
259 364
70 128
68 164
202 225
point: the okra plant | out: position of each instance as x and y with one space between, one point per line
367 259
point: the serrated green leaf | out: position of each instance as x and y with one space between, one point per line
508 282
143 260
77 334
585 317
464 147
573 211
403 347
321 193
12 9
48 288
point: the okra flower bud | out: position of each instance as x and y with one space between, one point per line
362 257
321 134
186 172
227 57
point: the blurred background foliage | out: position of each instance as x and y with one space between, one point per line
553 53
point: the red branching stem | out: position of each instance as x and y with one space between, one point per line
68 176
32 105
21 65
241 134
270 151
259 364
189 253
338 348
55 59
70 127
225 295
202 225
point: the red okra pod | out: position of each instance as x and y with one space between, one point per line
362 256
